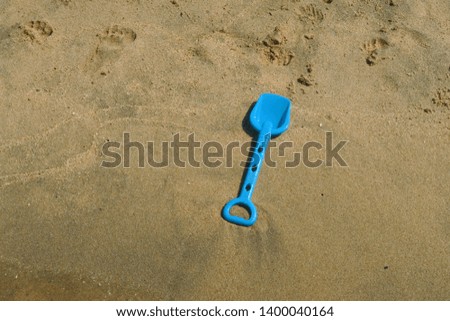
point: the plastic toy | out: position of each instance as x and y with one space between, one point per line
269 117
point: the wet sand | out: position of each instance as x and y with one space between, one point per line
76 74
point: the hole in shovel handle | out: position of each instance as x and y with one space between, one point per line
245 203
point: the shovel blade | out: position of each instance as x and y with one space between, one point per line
271 108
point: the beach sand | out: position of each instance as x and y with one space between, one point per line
76 74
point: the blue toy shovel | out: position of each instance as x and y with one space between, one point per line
269 117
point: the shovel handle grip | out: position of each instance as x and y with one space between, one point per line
245 203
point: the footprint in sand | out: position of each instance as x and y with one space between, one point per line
274 50
65 3
36 31
111 44
306 79
311 13
373 48
48 150
442 98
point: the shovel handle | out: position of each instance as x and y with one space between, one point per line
250 179
245 203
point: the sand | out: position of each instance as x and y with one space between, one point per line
75 74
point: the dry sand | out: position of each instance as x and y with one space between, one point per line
74 74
